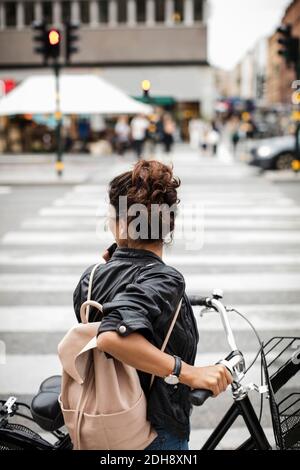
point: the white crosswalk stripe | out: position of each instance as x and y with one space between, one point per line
5 190
13 258
45 318
208 237
251 282
251 245
57 223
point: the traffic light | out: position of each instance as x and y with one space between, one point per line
71 39
289 45
40 39
53 43
48 41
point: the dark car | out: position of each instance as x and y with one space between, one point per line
275 153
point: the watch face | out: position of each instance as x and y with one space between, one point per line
172 379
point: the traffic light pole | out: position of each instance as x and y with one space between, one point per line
59 165
296 164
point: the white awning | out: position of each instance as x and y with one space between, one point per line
79 94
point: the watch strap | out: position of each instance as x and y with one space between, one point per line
177 368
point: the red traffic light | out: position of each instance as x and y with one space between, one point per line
53 37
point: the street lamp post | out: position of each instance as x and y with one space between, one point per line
146 86
59 165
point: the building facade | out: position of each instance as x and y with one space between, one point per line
125 41
279 76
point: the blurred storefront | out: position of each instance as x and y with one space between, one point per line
125 42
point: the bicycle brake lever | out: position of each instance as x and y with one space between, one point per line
235 364
9 406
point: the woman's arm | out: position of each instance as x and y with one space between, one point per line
138 352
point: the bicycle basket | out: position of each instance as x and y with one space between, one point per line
281 361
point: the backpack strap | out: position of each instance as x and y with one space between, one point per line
85 307
168 335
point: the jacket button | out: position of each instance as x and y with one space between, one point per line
122 329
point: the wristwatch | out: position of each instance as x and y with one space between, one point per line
173 379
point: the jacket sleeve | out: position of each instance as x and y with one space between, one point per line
156 291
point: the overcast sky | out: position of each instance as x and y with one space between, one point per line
235 26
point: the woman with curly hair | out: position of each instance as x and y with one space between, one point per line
140 293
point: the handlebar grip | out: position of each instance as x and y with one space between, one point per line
197 300
199 396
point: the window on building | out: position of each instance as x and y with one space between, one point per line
141 11
178 11
84 12
47 12
10 13
28 13
198 10
159 11
66 10
103 11
122 11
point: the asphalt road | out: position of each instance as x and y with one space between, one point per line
239 231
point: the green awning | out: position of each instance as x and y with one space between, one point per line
156 100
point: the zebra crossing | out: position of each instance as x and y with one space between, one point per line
250 247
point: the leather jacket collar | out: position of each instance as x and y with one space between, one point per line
134 253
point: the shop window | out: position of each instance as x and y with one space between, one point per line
159 11
84 12
47 12
103 11
178 11
28 13
122 11
198 10
141 11
66 10
10 13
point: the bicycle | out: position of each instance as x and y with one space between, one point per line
45 410
285 412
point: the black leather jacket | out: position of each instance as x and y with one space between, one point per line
139 291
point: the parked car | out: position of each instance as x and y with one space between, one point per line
275 153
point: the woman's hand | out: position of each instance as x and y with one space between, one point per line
215 378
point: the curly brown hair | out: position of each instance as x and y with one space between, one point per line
152 185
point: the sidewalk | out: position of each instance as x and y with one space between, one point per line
40 169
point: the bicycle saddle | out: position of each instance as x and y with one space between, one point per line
45 408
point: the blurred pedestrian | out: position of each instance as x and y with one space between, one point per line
84 133
213 138
195 130
139 126
122 131
153 132
204 133
169 129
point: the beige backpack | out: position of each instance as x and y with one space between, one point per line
102 401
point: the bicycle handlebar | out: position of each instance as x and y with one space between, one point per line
198 300
199 396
